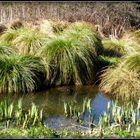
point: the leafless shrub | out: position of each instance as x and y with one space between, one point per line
114 18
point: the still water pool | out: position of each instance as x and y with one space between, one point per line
52 102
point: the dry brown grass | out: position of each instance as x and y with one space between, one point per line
16 24
3 28
46 28
59 25
132 40
123 80
110 16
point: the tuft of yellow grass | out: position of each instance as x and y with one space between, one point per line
122 80
46 28
132 41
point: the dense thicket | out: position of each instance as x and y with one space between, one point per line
114 18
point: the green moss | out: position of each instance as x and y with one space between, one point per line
41 132
122 133
13 133
138 133
35 132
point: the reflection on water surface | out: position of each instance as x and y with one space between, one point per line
52 102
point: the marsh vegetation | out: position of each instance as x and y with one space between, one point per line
48 53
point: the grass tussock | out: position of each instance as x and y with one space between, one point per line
74 53
6 49
81 24
132 40
85 34
71 53
20 73
67 60
9 35
29 41
123 80
67 55
113 48
24 40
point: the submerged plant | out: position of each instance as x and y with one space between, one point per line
102 121
20 73
125 116
70 109
86 105
68 61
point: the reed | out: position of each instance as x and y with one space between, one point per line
6 109
72 111
126 116
18 116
